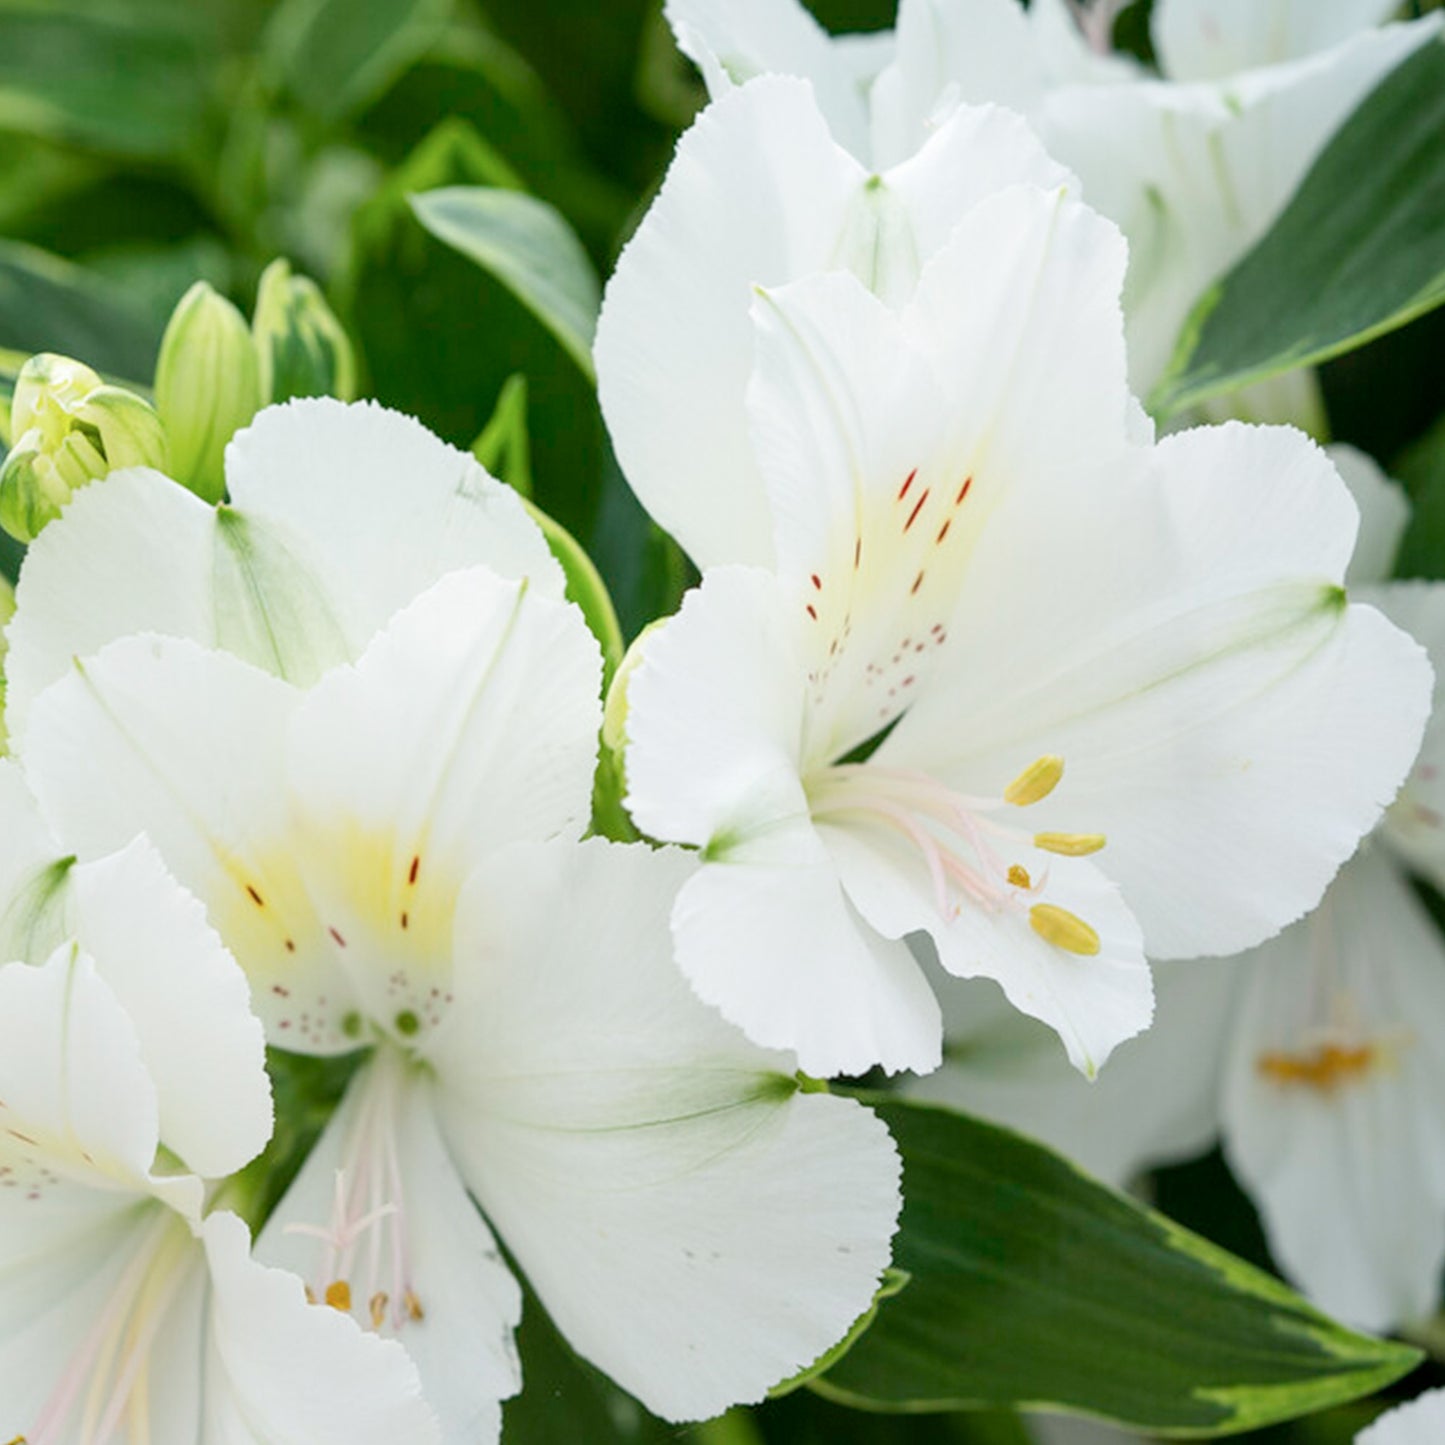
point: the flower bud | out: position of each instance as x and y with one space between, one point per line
300 346
207 387
69 429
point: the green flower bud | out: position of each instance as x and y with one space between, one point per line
207 387
70 428
300 346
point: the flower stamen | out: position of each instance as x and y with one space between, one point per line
1063 929
1036 781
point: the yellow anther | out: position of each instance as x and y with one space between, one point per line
1323 1070
1063 929
338 1295
1036 781
377 1306
1071 845
414 1311
310 1295
1018 875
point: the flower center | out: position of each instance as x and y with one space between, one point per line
106 1383
963 841
363 1263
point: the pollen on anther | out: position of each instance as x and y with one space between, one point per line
1018 875
377 1308
338 1295
414 1311
1063 929
1324 1069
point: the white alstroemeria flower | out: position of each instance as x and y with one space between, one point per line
1308 1054
985 578
1420 1422
1194 166
695 1227
760 194
128 1058
339 515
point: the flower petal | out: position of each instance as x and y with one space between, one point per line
1093 1002
715 714
34 896
1384 514
129 742
733 41
77 1100
695 1226
1421 1422
769 937
763 932
1331 1100
452 1303
969 50
674 345
1414 825
201 1045
131 553
1212 39
740 209
278 1368
470 722
1226 722
377 507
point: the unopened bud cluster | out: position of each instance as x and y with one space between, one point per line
68 427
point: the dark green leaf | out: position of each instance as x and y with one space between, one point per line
527 246
1359 251
1035 1287
336 56
46 304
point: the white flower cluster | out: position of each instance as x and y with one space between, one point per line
977 668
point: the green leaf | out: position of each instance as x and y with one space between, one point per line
47 304
336 56
1359 251
121 79
1035 1287
527 246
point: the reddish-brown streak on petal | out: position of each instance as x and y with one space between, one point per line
917 508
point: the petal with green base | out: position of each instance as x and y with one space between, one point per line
1034 1286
